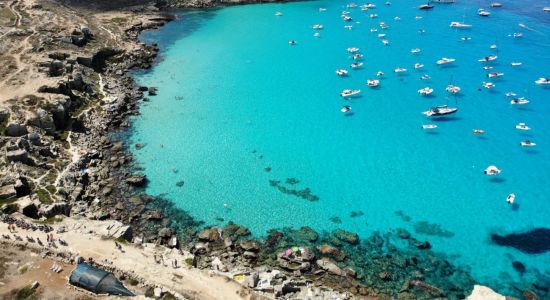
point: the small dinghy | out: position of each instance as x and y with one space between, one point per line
425 91
425 77
496 4
349 93
357 56
386 42
429 126
373 82
341 72
317 34
279 14
488 85
379 74
415 50
510 94
445 60
345 109
511 198
494 74
492 170
466 38
488 58
352 49
400 70
418 66
317 27
523 126
516 64
519 101
527 143
483 13
356 65
425 6
478 131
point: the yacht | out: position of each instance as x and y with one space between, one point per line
400 70
373 82
528 143
425 6
349 93
546 8
453 89
523 126
356 65
352 49
543 81
492 170
516 64
341 72
445 60
346 109
488 85
519 101
279 14
496 4
494 74
460 25
478 131
440 111
415 50
370 5
488 58
425 91
511 198
429 126
483 12
317 27
418 66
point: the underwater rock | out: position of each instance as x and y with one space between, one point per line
305 233
292 181
180 183
346 236
234 231
304 194
335 220
403 216
334 252
427 228
355 214
209 235
532 242
529 295
519 267
403 233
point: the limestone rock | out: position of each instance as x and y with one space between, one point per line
58 208
330 266
7 192
27 207
484 293
209 235
250 246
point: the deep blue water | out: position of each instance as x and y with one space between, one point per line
239 107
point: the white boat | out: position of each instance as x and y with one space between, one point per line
511 198
488 85
417 17
495 74
370 5
292 42
516 64
523 126
415 50
400 70
352 49
379 74
418 66
345 12
317 34
356 65
351 5
517 35
384 26
528 143
546 9
478 131
453 89
349 93
373 30
429 126
348 27
381 35
425 77
372 16
488 58
543 81
425 91
342 72
385 42
487 67
445 60
440 111
373 82
425 6
357 56
397 19
519 101
483 12
465 38
492 170
493 46
346 109
279 14
510 94
317 26
496 4
460 25
322 9
387 3
347 18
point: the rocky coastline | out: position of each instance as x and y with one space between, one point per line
64 153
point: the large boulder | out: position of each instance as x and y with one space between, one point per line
484 293
28 207
7 191
16 129
346 236
330 266
58 208
138 180
209 235
250 245
328 250
19 155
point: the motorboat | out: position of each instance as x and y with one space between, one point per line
483 12
517 35
317 34
348 27
528 143
459 25
510 94
317 26
494 74
381 35
492 170
364 7
352 49
478 131
351 5
357 56
418 66
373 82
373 16
429 126
349 93
373 30
516 64
292 42
322 9
370 5
279 14
493 46
453 89
379 74
443 1
511 198
487 67
546 9
417 17
466 38
488 85
488 58
346 109
425 91
445 60
425 6
356 65
415 50
421 31
385 42
387 3
519 101
347 18
400 70
496 4
342 72
441 110
543 81
523 126
397 18
345 12
425 77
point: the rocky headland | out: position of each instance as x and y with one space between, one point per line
66 92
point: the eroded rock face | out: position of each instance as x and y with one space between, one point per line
7 191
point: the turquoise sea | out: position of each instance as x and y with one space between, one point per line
240 112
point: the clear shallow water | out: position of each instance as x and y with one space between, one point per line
234 98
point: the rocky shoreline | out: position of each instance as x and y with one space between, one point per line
65 154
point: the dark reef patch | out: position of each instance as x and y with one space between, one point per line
304 193
519 267
535 241
427 228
